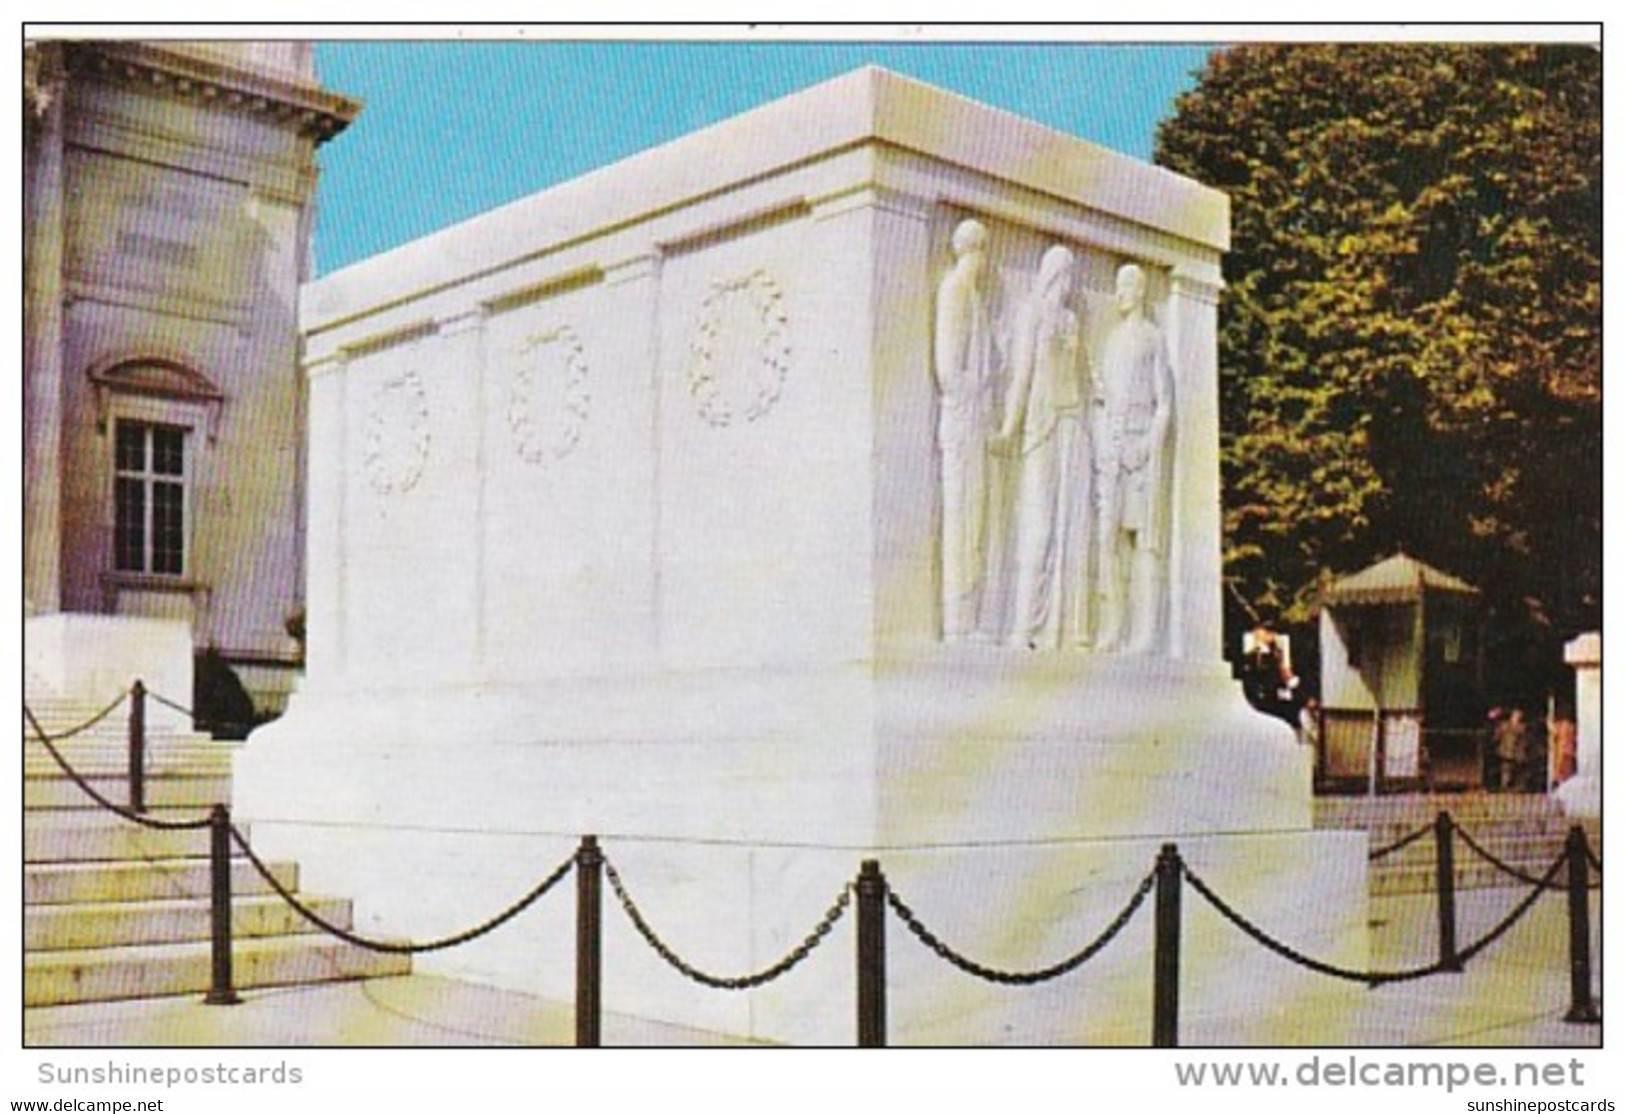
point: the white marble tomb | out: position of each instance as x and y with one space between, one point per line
840 480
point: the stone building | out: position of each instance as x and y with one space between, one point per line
169 195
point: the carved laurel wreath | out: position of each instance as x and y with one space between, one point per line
397 441
530 440
756 397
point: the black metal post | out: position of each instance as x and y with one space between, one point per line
589 943
871 956
221 991
1165 990
1379 780
138 747
1444 846
1582 1007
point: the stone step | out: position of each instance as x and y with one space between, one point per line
1478 875
126 923
1525 851
1555 828
65 883
1524 830
1417 809
75 726
114 909
55 978
71 709
163 790
1490 837
72 835
195 756
117 766
114 737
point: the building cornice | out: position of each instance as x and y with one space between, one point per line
311 111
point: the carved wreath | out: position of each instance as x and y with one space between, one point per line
397 442
719 396
531 439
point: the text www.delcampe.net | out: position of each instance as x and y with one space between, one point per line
1355 1071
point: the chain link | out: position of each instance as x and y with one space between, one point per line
391 947
72 731
96 795
1372 978
1593 858
1399 844
1022 978
171 705
1538 891
1499 864
740 982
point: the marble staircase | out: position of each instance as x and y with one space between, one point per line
114 910
1524 830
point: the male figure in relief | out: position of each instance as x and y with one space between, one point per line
1133 410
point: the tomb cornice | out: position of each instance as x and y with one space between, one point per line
815 144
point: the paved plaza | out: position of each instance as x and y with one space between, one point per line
1515 994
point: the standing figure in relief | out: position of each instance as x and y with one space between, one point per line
963 368
1043 430
1133 406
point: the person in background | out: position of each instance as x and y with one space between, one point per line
1309 724
1511 750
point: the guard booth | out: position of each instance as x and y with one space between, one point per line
1401 673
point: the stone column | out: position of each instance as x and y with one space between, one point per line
1195 577
1581 795
42 373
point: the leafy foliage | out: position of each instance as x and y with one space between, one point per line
1411 341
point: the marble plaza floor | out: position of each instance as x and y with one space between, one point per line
1515 994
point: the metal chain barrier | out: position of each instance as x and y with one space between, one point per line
1022 978
171 705
391 947
1538 890
1399 844
1372 978
739 982
1500 864
71 732
1594 859
94 794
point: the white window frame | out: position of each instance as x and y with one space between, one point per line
150 480
192 419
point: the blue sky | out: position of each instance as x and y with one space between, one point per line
452 129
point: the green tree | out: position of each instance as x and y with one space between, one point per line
1411 341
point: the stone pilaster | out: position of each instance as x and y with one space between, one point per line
893 231
1196 576
1581 795
42 373
455 326
325 534
635 284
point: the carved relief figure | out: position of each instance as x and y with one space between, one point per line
1043 431
963 369
1133 408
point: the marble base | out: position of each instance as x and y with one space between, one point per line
1015 801
732 909
88 660
1580 796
